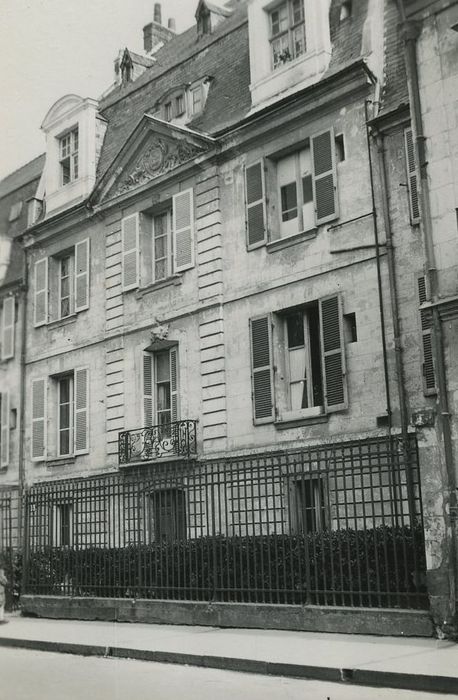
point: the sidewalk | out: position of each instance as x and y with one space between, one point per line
414 663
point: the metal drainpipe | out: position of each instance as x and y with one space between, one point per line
21 463
379 276
411 32
380 141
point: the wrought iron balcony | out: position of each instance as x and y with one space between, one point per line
177 439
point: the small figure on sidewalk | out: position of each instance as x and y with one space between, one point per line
3 582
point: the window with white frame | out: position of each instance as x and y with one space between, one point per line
287 32
68 156
65 415
61 284
68 397
160 389
158 244
292 192
306 346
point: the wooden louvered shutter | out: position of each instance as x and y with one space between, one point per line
324 178
5 429
147 390
262 376
429 378
255 205
82 275
183 230
412 177
333 354
174 383
8 328
41 292
81 394
130 235
38 419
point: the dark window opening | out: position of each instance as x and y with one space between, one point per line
340 148
168 515
310 502
350 329
345 10
304 358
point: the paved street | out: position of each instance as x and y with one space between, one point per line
31 675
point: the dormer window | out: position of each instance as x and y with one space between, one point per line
168 111
179 105
196 100
68 145
287 26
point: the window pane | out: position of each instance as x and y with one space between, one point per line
295 326
279 19
163 396
160 270
299 41
297 364
160 247
75 166
288 201
65 171
65 307
298 10
64 387
307 189
64 442
280 50
64 416
162 367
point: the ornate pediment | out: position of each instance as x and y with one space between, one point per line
159 157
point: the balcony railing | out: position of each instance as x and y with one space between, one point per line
177 439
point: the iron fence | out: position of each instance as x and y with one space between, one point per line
177 439
333 525
8 500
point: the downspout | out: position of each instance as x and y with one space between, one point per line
411 31
21 461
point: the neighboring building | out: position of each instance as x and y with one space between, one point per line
417 131
15 192
212 355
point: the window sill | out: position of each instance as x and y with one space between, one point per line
62 321
59 461
281 243
174 280
286 423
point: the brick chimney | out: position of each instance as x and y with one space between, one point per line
155 34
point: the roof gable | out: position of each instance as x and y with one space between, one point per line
154 149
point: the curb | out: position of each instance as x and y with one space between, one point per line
381 679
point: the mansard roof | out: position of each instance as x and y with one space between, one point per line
223 55
395 93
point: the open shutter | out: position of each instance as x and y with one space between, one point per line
255 205
82 275
130 235
332 354
41 292
262 376
8 328
183 231
412 177
38 419
429 379
174 383
5 429
147 389
81 432
324 178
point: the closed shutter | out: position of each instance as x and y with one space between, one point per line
81 393
82 275
183 231
5 429
429 379
255 205
38 419
262 369
147 390
324 177
8 328
174 383
332 354
412 177
41 292
130 251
